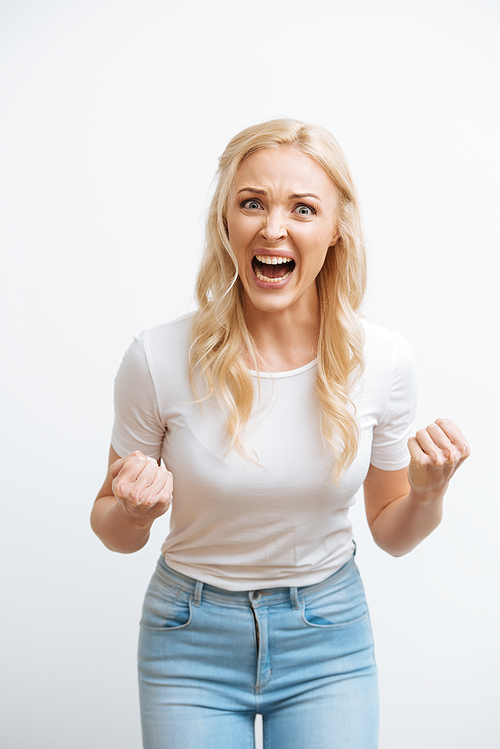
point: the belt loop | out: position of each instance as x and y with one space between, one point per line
354 542
197 593
294 598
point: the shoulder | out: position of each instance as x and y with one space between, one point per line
163 344
377 336
174 333
389 395
389 366
384 347
160 349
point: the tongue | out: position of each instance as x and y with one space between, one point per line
274 271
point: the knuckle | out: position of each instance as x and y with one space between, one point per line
464 449
120 488
134 496
435 458
422 461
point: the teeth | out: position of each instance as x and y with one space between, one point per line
273 260
271 280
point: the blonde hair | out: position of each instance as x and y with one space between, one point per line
220 334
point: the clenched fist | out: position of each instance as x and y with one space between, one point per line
142 487
436 453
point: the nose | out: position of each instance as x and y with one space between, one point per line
274 227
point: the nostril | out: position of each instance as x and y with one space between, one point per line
271 236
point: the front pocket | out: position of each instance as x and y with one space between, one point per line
340 606
313 620
165 608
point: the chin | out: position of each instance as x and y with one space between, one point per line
270 301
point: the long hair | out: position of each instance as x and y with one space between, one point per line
220 334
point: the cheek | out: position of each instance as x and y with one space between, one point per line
239 241
314 247
241 234
235 229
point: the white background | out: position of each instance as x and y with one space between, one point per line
113 115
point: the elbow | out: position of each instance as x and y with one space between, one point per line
93 522
395 549
96 523
399 552
401 544
395 544
118 550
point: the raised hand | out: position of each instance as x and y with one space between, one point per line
142 487
436 454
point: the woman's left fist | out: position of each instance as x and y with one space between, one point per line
436 453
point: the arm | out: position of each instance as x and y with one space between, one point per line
403 507
136 492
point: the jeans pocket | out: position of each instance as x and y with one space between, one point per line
339 606
165 608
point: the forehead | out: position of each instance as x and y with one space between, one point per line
284 168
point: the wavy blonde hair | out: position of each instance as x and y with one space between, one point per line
220 334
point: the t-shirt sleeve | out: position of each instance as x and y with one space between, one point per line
390 436
137 425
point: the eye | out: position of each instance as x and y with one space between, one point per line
305 210
251 204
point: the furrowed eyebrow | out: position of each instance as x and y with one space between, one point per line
294 195
252 189
304 195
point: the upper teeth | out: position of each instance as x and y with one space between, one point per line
273 260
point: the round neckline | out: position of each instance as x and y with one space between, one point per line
288 373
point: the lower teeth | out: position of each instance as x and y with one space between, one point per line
261 277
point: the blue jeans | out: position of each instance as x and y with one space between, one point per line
210 659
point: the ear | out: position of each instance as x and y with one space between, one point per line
334 239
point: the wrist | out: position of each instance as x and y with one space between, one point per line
133 519
426 496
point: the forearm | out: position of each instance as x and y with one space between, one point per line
404 523
117 531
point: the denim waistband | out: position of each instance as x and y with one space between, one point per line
262 596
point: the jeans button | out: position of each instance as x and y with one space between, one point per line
257 595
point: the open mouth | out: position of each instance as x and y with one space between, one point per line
272 269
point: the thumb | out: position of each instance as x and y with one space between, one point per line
116 467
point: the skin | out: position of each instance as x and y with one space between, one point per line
135 492
404 507
266 216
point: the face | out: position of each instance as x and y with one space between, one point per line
282 219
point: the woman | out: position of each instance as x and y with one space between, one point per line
269 407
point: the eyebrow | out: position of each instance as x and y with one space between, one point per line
293 196
304 195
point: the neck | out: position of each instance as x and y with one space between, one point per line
285 339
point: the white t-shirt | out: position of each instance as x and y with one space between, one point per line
279 522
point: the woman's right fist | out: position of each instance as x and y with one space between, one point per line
142 487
